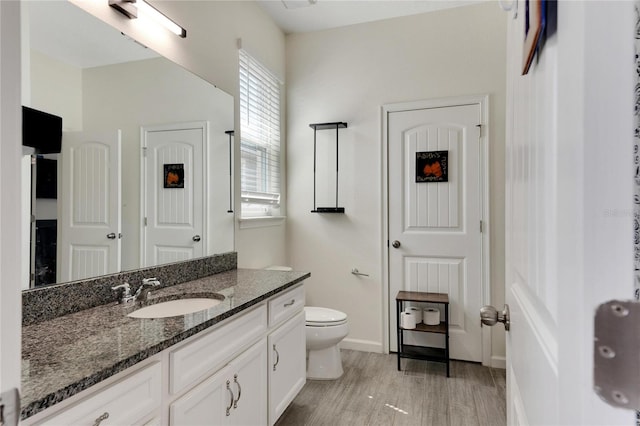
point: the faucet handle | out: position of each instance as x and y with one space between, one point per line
126 289
124 292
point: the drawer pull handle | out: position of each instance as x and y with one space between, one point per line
235 380
277 357
232 398
286 305
99 420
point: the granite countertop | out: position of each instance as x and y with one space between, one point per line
65 355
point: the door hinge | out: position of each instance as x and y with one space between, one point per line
479 126
481 227
10 407
616 365
145 221
144 151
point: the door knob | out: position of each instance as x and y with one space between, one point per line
196 238
111 236
396 244
490 316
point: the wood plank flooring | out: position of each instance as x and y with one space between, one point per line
373 392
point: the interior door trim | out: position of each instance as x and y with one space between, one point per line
483 101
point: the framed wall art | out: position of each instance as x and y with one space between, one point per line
432 166
534 24
174 175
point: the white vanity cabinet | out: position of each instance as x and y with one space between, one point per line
234 395
287 366
287 350
244 371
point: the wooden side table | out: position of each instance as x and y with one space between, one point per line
423 352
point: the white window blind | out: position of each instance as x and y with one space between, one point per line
260 139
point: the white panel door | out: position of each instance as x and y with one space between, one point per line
11 217
90 221
174 194
437 223
569 212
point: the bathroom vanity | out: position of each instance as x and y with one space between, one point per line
239 362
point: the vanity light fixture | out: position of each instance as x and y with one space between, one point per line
131 9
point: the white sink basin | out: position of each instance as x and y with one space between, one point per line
174 308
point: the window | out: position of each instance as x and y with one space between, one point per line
260 139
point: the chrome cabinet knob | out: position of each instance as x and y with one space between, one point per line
196 238
490 316
111 236
396 244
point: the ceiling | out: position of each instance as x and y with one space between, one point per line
297 16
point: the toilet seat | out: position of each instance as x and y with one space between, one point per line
323 317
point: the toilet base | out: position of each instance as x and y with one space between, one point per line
324 364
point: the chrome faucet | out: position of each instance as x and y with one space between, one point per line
143 291
124 291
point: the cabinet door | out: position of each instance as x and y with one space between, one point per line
248 374
287 365
206 404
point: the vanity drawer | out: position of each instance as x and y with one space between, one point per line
126 402
200 358
286 305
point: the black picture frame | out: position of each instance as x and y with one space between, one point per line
535 22
432 166
174 176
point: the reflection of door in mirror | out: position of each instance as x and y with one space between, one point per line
103 81
90 221
174 190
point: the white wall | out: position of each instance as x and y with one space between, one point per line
56 88
347 74
210 50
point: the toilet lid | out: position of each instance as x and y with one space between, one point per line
323 316
279 268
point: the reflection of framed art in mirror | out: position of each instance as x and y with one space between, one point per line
534 24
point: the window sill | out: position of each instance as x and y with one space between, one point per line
260 221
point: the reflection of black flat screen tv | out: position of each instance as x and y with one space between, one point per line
41 130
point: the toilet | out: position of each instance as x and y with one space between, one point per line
325 328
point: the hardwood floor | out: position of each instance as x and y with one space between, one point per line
373 392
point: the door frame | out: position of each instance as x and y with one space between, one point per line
483 101
144 131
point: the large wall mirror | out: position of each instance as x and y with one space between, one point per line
144 174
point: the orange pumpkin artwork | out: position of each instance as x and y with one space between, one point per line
432 166
174 175
434 170
172 178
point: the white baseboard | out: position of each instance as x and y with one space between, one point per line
498 362
362 345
